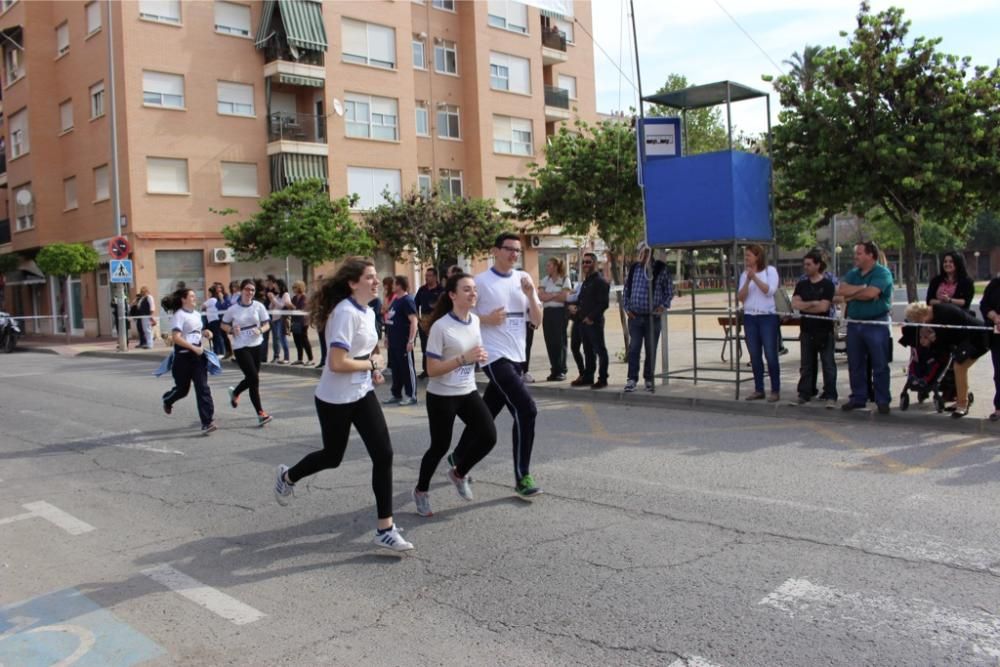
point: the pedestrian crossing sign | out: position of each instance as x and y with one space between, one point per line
121 270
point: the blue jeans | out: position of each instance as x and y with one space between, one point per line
762 341
638 327
864 342
278 340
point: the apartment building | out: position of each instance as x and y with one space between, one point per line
219 103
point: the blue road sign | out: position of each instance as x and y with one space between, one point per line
121 270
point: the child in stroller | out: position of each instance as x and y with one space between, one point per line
929 372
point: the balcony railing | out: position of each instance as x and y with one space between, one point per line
305 127
556 97
4 231
553 38
281 51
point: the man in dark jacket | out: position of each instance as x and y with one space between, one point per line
592 303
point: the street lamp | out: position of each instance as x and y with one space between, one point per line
975 272
836 259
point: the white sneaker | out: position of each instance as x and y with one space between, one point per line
461 485
283 491
422 500
391 539
630 386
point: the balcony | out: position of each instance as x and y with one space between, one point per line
300 133
556 104
307 69
553 46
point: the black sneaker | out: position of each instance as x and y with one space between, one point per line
847 407
208 428
167 408
883 408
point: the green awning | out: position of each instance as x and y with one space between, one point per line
302 21
551 14
287 168
298 80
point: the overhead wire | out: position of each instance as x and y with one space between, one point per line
749 36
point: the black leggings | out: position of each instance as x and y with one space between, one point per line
335 421
302 344
507 388
191 368
248 359
477 439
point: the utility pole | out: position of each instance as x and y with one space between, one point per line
119 291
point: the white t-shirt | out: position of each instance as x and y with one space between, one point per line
757 302
350 327
500 290
188 322
248 319
212 309
550 286
449 337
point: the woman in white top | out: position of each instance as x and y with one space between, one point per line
247 320
280 300
757 286
454 347
189 364
345 394
211 310
556 286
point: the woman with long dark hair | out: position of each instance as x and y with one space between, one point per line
345 394
300 324
190 365
247 320
952 284
454 347
280 300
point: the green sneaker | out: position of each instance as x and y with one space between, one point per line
526 487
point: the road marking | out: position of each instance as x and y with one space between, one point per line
925 547
693 661
929 621
150 448
945 455
890 463
18 517
210 598
56 516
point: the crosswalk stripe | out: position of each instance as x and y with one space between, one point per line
210 598
56 516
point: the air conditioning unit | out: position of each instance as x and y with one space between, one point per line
536 241
223 255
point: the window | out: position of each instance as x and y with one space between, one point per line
164 11
232 19
424 182
446 57
509 15
163 90
506 189
368 44
19 144
568 83
24 213
565 27
13 59
66 116
93 12
447 5
512 135
371 117
451 183
102 184
369 184
62 39
423 121
447 122
97 100
510 73
239 179
69 194
419 58
235 99
166 176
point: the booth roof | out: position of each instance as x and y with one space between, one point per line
707 95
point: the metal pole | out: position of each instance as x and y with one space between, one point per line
119 292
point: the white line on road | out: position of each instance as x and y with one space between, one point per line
149 448
17 517
210 598
922 619
56 516
924 547
692 661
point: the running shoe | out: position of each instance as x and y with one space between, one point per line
167 408
263 418
208 428
391 539
412 400
392 400
650 387
422 500
630 386
234 400
526 487
283 491
461 485
451 463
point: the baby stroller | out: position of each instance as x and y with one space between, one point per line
929 372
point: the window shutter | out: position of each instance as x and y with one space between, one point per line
161 82
520 75
239 179
232 16
167 175
65 116
382 44
354 35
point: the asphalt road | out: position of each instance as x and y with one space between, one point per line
663 538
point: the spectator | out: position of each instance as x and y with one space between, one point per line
592 303
757 286
425 298
814 296
952 284
989 306
637 300
401 327
300 324
555 288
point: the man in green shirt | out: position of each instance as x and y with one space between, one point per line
867 289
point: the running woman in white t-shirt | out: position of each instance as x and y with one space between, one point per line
189 365
454 347
345 394
247 320
507 301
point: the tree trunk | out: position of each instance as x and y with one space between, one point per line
909 258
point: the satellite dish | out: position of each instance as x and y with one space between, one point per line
338 107
24 197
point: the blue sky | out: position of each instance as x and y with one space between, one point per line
697 39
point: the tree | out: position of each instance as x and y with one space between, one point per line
984 232
804 67
434 227
64 260
892 125
300 221
704 131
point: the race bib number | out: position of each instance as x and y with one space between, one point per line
360 377
460 375
194 338
515 323
249 332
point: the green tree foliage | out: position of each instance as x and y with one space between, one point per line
704 131
300 221
588 183
434 227
985 231
67 259
894 125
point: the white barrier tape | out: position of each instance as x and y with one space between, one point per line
892 323
38 317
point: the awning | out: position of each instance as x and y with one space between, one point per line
299 80
551 14
287 168
707 95
30 269
302 21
